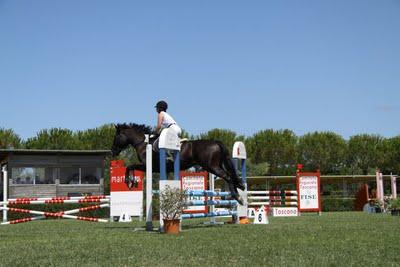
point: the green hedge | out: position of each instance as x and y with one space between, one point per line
337 204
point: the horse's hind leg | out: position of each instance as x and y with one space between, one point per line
221 173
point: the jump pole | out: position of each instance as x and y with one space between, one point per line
211 209
149 185
5 197
379 186
61 214
394 189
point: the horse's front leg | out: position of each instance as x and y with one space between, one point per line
130 180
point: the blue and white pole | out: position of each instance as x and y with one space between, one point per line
163 159
169 141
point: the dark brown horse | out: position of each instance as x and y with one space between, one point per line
210 155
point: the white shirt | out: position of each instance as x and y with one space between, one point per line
167 120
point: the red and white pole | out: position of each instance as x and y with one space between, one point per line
57 198
68 212
54 214
70 201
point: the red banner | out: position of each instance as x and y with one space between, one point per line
117 178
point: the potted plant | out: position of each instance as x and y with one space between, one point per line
395 207
172 203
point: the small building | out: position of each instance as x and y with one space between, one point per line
49 173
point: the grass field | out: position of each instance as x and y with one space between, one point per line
334 239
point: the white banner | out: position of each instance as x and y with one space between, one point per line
309 193
126 202
285 212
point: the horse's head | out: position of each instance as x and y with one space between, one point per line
120 142
128 134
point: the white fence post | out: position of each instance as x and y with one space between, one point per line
394 188
149 185
5 197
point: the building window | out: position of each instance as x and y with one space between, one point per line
32 175
69 175
84 175
90 175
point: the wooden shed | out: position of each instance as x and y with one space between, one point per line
49 173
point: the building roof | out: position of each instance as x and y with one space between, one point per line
6 152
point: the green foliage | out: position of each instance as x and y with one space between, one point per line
337 204
260 169
227 137
366 153
392 163
394 203
185 134
55 138
9 139
277 148
100 138
322 150
270 152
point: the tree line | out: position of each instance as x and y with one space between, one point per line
270 152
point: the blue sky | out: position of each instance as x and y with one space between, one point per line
330 65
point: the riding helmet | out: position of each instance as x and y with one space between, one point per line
162 105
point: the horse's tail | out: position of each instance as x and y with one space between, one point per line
229 167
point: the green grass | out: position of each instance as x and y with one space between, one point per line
333 239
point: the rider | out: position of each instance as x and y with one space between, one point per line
164 121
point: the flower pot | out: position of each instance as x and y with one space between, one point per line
171 226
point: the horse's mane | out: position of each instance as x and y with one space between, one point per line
142 128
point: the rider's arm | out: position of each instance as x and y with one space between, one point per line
159 121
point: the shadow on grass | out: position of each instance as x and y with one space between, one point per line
201 226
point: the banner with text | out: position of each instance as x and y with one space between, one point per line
196 181
308 187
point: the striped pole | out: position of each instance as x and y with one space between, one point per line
274 198
279 203
207 193
272 192
277 198
71 201
61 214
57 198
212 202
211 214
